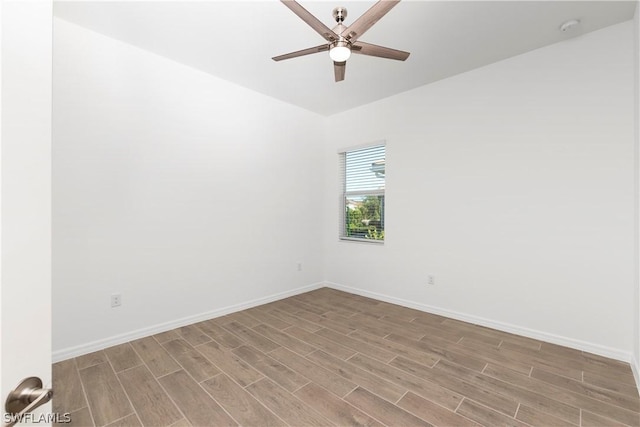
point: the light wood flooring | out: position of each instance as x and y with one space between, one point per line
331 358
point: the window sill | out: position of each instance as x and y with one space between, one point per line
356 240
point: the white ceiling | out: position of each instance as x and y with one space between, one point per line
235 40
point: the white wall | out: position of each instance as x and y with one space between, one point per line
513 185
183 192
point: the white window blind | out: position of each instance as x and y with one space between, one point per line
362 174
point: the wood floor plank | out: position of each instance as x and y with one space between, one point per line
491 355
297 305
371 308
427 389
569 370
266 318
353 373
521 341
433 413
324 378
560 350
627 388
529 343
274 305
238 317
396 348
229 363
535 400
476 344
536 417
470 362
554 364
489 337
321 342
78 418
600 364
324 322
613 398
564 396
195 403
285 339
128 421
150 401
507 345
427 330
367 324
155 356
167 336
191 360
193 335
219 334
297 321
592 420
285 405
91 359
561 357
491 399
271 368
608 372
338 313
239 403
122 357
107 399
334 307
486 416
69 395
382 410
427 314
472 336
386 308
355 345
336 410
251 337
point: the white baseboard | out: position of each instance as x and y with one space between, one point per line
68 353
101 344
601 350
635 367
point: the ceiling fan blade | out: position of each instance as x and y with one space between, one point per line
339 69
363 48
303 52
370 17
311 20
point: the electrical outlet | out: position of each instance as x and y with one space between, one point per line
116 300
431 280
299 266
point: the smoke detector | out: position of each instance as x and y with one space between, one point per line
569 26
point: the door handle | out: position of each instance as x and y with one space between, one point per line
25 398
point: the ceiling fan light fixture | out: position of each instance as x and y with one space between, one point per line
340 51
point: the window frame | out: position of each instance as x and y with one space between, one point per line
344 194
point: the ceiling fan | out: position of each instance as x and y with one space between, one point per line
343 40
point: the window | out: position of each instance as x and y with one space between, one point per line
362 178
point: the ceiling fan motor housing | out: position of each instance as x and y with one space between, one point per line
339 14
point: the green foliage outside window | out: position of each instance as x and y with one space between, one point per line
364 218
